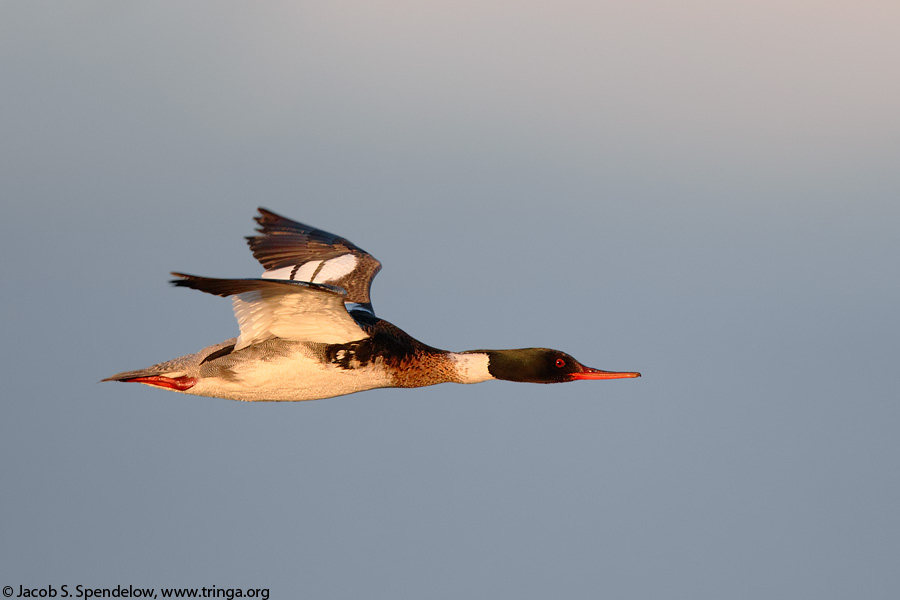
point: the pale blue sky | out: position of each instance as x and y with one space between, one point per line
705 193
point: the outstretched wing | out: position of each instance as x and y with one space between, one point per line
290 310
297 252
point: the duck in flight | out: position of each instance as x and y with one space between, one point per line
308 331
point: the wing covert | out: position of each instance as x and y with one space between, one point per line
290 310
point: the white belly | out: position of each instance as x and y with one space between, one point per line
288 374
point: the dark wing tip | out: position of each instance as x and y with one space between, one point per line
231 287
266 216
203 284
270 222
182 278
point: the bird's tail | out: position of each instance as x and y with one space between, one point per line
178 374
180 383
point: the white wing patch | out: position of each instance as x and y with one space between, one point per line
335 268
304 272
316 271
298 314
282 273
307 271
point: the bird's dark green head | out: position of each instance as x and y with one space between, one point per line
542 365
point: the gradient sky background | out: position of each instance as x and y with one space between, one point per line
705 192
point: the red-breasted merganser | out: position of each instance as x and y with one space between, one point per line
308 331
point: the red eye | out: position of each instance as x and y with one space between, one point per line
560 363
